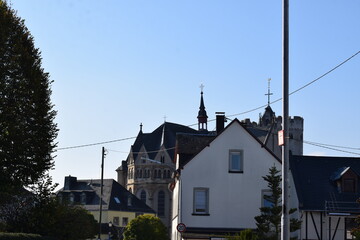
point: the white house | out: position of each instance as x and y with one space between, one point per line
218 187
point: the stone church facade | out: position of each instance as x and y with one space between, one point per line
147 171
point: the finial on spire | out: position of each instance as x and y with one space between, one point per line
269 93
202 87
164 118
141 125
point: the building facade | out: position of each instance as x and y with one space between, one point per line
218 191
147 171
118 207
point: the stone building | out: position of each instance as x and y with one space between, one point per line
147 171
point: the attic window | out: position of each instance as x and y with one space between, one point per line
117 200
346 179
349 185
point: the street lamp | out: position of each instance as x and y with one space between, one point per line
110 225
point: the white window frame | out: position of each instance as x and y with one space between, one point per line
239 153
201 211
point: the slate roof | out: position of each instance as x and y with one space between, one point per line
165 133
115 196
315 181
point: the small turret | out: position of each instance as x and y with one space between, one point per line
202 116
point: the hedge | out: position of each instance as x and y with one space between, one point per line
22 236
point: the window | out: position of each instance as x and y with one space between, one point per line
116 221
125 221
201 201
143 196
117 200
236 161
162 159
155 173
266 198
349 185
71 198
83 198
161 203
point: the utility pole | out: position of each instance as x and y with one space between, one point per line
285 225
101 189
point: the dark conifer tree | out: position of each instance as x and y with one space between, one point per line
269 222
27 128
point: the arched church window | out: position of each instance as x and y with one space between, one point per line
161 203
162 159
143 196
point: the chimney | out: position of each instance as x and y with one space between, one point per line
69 182
220 121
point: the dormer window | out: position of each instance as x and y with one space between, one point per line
346 180
349 185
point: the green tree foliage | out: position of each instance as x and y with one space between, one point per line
40 213
356 231
269 222
145 227
27 128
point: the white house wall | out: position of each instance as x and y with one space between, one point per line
234 198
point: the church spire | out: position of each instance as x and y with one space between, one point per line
202 116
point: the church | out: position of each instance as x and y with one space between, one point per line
149 168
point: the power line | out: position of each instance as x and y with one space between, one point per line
306 85
94 144
331 148
248 111
329 145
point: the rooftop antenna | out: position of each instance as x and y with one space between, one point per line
269 93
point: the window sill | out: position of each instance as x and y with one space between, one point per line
230 171
201 214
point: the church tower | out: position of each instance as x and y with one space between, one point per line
202 116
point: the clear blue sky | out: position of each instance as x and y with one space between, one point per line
116 64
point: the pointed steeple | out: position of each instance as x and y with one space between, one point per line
202 116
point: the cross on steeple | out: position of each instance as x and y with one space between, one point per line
269 93
202 87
